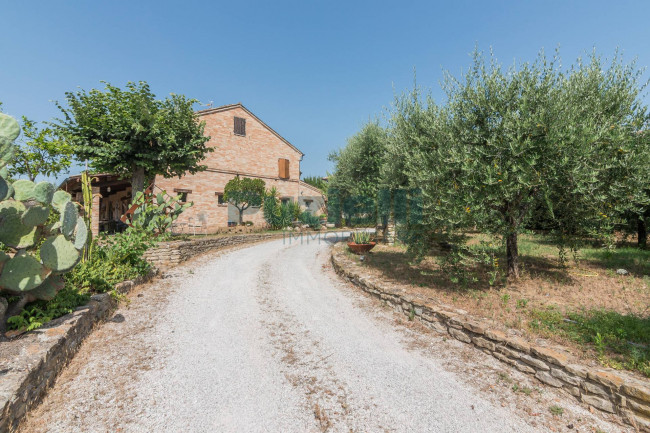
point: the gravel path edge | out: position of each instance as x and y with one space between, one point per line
606 390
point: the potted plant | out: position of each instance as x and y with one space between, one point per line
361 243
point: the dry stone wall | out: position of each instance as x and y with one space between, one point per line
604 389
32 362
168 254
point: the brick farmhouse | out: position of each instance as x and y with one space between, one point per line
245 146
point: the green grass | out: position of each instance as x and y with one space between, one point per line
556 410
629 258
621 341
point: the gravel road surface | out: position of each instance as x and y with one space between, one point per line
266 338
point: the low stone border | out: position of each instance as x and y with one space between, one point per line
42 354
168 254
607 390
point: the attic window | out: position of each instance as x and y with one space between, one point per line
240 126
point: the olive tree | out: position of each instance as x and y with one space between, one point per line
509 139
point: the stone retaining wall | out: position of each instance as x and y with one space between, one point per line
37 357
604 389
168 254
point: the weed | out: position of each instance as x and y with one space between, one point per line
522 303
504 299
412 314
556 410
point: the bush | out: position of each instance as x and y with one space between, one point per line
277 215
114 259
38 313
312 220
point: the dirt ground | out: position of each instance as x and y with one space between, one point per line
585 285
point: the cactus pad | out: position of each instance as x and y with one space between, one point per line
43 192
23 273
9 127
59 254
59 199
13 232
23 190
69 219
81 234
35 216
7 149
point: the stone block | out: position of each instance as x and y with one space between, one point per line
598 402
547 378
524 367
566 377
482 342
460 335
551 355
508 352
637 391
594 389
537 363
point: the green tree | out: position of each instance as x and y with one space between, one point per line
356 179
131 133
244 192
510 139
317 182
40 151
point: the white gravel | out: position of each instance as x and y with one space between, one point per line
266 339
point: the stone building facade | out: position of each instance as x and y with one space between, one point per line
244 146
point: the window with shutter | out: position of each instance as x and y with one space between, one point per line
240 126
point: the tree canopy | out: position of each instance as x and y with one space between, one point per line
131 133
244 192
40 151
510 146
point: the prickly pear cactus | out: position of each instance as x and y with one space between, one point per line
36 254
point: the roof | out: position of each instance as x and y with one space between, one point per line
240 105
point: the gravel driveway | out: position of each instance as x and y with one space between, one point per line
267 339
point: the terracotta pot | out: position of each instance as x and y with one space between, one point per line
361 248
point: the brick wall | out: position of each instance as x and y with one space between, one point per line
254 155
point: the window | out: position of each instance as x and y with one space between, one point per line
283 168
183 194
285 200
220 200
240 126
308 203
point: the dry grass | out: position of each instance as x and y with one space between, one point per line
577 287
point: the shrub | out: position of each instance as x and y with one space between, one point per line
114 259
312 220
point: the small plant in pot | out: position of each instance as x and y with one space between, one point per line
360 242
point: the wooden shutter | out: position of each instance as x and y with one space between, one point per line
283 168
240 126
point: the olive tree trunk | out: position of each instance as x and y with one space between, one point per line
642 233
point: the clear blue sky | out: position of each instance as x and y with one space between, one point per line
313 70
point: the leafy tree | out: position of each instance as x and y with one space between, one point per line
358 164
131 133
244 193
510 139
356 179
40 152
